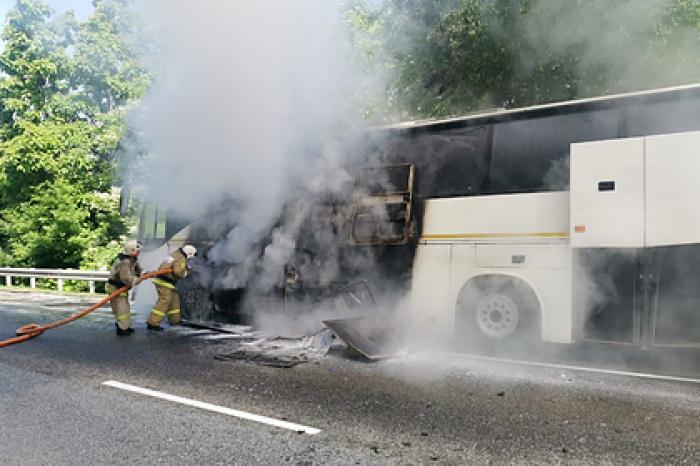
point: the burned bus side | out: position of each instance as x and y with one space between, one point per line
470 164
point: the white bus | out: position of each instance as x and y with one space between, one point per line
562 223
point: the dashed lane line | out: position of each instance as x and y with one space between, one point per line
213 408
640 375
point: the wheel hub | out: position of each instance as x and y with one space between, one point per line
496 315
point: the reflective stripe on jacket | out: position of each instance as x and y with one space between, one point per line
159 282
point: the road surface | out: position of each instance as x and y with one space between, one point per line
425 408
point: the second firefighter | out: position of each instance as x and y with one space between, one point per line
125 272
168 303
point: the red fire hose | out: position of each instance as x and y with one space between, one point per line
29 331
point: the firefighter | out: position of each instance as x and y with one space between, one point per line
168 303
124 272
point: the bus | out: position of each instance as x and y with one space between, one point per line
565 222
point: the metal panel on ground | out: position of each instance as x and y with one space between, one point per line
373 337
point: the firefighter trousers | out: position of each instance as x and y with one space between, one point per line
168 304
121 308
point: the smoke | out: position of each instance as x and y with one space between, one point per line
248 117
628 44
453 57
245 97
251 102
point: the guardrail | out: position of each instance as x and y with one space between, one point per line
61 275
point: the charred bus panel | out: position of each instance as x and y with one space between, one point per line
524 153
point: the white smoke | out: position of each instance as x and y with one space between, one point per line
610 40
249 102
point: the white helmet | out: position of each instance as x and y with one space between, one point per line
132 248
189 251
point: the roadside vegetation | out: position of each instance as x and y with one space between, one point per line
450 57
67 85
65 88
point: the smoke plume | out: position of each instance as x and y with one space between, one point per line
250 104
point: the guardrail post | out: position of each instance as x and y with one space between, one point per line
60 275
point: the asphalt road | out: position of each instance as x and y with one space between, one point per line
425 408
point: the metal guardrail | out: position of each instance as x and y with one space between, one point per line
90 276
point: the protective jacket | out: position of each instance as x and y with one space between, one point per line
178 263
125 271
168 303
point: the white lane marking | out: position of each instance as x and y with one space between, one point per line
640 375
214 408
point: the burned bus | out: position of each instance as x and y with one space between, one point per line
563 223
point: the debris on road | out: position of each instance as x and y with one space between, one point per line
373 337
282 352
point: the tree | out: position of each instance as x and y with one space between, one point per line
58 224
65 89
451 57
34 62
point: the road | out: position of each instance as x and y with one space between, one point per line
425 408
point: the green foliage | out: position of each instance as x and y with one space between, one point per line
105 56
451 57
60 226
44 152
100 257
64 90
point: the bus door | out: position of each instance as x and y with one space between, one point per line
645 297
609 295
636 233
675 307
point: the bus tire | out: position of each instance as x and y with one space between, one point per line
496 311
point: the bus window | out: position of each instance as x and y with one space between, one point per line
532 155
449 162
381 223
153 222
382 205
160 223
663 117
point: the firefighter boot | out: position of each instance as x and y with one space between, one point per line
156 328
123 332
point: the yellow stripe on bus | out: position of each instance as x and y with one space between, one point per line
555 234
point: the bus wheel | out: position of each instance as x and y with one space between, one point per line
493 310
497 315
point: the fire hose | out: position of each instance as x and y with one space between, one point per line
29 331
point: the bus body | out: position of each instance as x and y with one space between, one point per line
520 237
565 222
614 259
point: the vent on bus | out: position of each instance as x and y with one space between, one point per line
606 186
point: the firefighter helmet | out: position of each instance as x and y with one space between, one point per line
189 251
132 248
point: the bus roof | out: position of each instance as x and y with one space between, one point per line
557 108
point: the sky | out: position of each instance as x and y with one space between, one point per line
82 8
